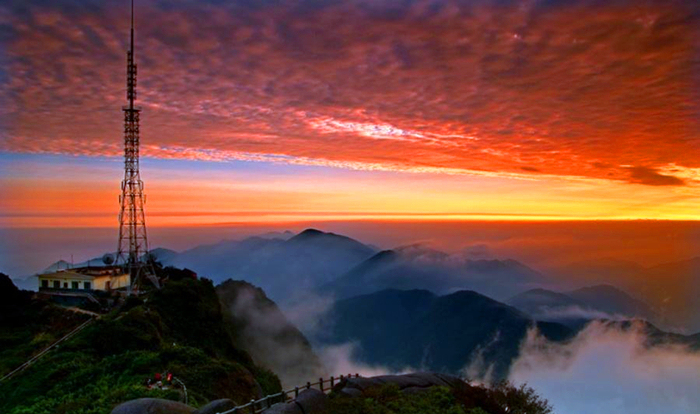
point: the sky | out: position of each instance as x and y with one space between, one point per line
266 111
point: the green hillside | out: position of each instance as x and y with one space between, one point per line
179 329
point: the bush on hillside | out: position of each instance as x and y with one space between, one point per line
521 399
389 399
501 399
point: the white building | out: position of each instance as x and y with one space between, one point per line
84 279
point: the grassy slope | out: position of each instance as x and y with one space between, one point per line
179 328
41 325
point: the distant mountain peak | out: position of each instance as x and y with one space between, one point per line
312 233
162 254
383 255
540 292
56 266
315 235
311 258
600 289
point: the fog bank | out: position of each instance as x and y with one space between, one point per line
606 370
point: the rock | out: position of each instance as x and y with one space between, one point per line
285 408
216 406
309 401
409 383
313 401
152 406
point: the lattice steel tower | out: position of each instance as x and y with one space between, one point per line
132 252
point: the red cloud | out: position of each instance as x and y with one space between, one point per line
578 89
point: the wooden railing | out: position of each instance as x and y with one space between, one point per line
258 406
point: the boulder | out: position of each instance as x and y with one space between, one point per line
216 406
284 408
313 401
152 406
409 383
309 401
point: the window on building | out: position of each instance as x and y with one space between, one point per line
65 285
56 284
74 285
87 285
44 283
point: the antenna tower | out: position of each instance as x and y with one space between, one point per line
132 252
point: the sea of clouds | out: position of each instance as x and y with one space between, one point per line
603 370
606 370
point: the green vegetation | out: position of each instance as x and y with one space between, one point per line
179 329
389 400
27 326
504 398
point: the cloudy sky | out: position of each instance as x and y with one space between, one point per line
266 110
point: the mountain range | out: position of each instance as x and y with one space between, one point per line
579 306
671 289
280 266
321 263
292 267
463 332
418 267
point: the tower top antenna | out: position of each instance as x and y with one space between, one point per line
131 65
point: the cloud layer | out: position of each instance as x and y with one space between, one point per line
583 89
605 370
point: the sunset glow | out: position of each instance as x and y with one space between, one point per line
254 113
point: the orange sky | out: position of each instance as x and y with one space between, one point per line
426 110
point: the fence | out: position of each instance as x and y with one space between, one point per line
258 406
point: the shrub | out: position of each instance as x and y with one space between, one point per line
504 398
389 399
520 400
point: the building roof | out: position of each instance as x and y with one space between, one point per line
79 274
66 274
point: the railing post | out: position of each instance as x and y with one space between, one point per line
308 385
320 383
296 392
269 404
332 382
252 406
